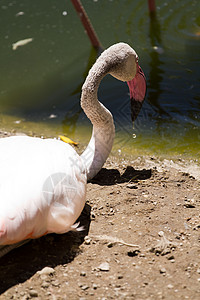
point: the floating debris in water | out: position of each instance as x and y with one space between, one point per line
134 136
52 116
64 13
17 122
21 43
159 50
20 13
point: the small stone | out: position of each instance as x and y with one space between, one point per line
119 276
46 271
104 267
33 293
172 260
171 257
83 273
162 270
133 253
142 255
110 245
131 186
170 286
87 240
55 283
198 271
93 216
84 287
45 285
161 233
94 286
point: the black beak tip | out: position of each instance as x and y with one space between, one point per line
135 108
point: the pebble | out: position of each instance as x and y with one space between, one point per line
170 286
84 287
55 283
110 245
171 257
83 273
162 270
46 271
161 233
131 186
45 285
87 240
104 267
94 286
33 293
133 253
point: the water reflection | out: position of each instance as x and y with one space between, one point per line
44 77
71 118
155 73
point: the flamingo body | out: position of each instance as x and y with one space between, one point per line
43 182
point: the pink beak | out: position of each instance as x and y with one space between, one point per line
137 88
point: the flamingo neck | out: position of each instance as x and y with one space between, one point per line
103 133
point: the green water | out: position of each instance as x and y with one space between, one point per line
40 82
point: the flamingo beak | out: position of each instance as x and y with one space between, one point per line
137 88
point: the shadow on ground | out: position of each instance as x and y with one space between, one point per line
113 176
51 250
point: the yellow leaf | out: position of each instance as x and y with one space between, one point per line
67 140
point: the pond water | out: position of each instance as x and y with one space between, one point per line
41 81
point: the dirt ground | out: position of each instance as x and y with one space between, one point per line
141 241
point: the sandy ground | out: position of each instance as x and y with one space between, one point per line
141 240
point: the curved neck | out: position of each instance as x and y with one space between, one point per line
103 133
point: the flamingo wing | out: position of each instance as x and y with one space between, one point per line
42 188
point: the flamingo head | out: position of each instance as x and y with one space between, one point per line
123 65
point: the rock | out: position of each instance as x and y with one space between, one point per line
33 293
162 270
133 253
161 233
171 257
131 186
46 271
87 240
83 273
85 287
170 286
55 283
104 267
94 286
45 285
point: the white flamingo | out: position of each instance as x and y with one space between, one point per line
43 181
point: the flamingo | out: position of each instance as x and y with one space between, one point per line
43 181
